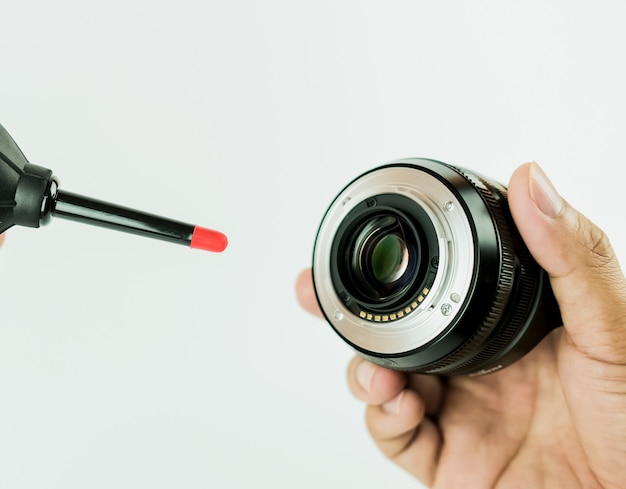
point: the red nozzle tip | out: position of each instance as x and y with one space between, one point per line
208 240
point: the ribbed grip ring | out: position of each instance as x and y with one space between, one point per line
495 200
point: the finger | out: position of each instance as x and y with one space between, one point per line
1 239
402 433
584 272
430 389
306 294
372 384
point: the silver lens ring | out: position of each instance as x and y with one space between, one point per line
431 311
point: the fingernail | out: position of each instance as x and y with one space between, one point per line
393 406
364 374
543 193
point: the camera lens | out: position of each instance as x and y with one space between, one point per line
418 266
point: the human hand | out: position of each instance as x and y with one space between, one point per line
1 239
557 417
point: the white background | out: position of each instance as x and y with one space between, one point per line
127 362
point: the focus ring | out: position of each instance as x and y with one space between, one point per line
514 320
494 200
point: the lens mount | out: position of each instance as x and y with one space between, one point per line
442 256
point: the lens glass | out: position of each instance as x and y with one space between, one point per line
384 257
389 258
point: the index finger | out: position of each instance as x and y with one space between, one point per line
306 293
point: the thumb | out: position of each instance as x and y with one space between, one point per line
584 272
